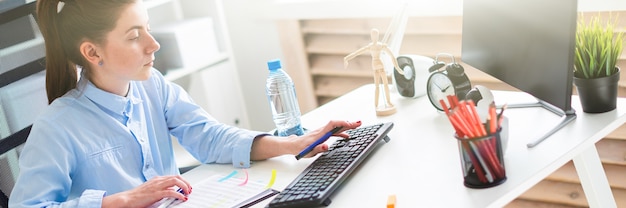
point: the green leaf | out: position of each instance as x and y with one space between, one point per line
597 48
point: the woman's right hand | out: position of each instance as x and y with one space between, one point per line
150 192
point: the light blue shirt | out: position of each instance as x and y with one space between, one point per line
91 143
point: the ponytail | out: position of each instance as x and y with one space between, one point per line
61 74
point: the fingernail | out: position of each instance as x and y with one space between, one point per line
186 198
358 121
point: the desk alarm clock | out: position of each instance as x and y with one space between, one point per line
451 81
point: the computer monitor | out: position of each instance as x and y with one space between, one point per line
528 44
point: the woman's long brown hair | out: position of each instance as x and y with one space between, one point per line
64 28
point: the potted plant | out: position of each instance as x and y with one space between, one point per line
598 46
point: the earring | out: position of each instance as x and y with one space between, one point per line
100 63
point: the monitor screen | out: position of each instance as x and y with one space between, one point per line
528 44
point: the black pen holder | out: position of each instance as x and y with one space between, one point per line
482 160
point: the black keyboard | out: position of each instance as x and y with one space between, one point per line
317 182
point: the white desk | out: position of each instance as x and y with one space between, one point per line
421 165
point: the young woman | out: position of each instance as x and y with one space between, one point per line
104 140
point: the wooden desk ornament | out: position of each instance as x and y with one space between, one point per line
381 52
380 76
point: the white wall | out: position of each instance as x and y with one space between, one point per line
254 42
255 39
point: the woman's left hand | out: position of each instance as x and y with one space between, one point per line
268 146
302 142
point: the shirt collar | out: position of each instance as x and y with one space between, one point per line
110 101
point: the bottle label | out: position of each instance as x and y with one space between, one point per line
281 103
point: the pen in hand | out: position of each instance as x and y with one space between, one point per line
169 201
319 141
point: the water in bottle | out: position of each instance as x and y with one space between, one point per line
281 94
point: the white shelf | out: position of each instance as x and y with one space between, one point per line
174 74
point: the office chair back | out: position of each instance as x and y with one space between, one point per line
8 146
17 62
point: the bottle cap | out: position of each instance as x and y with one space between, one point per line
273 64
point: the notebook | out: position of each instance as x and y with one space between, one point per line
223 191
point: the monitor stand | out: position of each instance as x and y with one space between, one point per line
566 117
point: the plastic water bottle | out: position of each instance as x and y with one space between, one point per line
281 94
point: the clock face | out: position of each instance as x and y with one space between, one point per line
438 87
